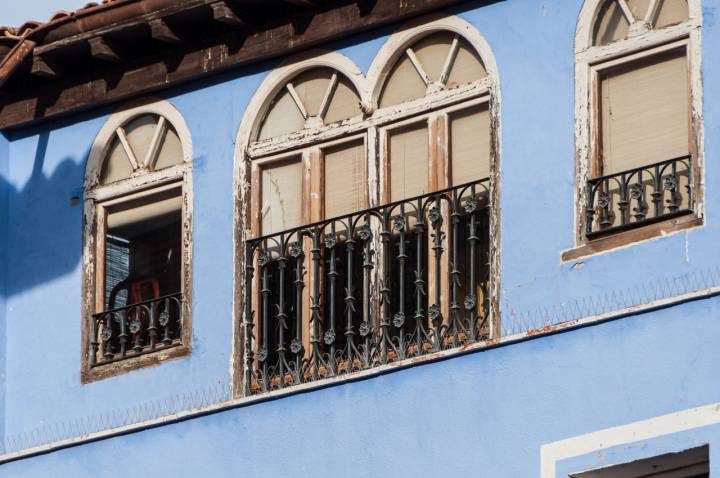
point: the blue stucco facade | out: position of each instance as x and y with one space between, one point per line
487 413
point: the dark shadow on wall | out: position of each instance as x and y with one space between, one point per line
43 236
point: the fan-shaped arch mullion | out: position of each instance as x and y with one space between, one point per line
652 10
120 132
450 60
627 11
328 97
296 98
418 66
155 144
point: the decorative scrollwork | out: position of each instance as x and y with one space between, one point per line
330 240
470 205
364 232
470 302
106 334
164 317
262 354
636 191
604 199
670 182
330 337
434 312
296 346
365 329
134 326
263 259
435 216
295 249
399 223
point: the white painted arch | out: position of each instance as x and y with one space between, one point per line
414 31
124 115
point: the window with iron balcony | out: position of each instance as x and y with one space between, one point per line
639 133
137 229
370 227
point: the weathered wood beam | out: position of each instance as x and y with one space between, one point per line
193 61
41 67
304 3
101 49
224 14
161 31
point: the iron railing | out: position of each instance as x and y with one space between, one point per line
136 329
639 196
381 285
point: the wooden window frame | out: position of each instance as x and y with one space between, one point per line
98 198
590 62
249 151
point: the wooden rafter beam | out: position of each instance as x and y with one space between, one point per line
161 31
102 50
224 14
43 68
304 3
191 61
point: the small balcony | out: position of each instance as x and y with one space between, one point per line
378 286
639 196
136 329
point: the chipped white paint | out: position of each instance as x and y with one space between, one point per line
648 429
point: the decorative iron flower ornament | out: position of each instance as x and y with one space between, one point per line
295 346
295 249
262 354
364 329
263 259
434 312
434 215
329 337
399 320
604 199
106 334
164 318
670 182
134 327
364 232
399 222
636 191
330 240
470 205
470 302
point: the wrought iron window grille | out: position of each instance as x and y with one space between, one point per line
377 286
136 329
639 196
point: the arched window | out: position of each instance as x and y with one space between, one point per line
350 181
137 252
638 122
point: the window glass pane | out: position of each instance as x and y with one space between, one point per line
611 24
645 113
139 133
408 161
117 165
403 84
281 202
143 248
344 104
345 179
470 145
282 118
466 68
170 152
672 12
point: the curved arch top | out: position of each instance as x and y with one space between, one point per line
591 8
103 140
259 104
418 29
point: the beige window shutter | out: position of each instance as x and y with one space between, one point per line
139 134
345 179
645 113
639 8
470 145
403 84
117 165
408 161
281 201
467 67
170 152
282 118
672 12
611 24
311 87
345 103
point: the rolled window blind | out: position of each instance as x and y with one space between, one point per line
645 113
345 179
281 202
408 161
470 145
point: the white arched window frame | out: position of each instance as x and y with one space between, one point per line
159 168
642 42
370 127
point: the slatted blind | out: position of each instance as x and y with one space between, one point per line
311 87
672 12
645 113
470 145
466 68
117 165
345 179
345 103
281 203
408 161
139 133
170 152
282 118
403 84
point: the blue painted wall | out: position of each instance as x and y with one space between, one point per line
4 205
491 409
